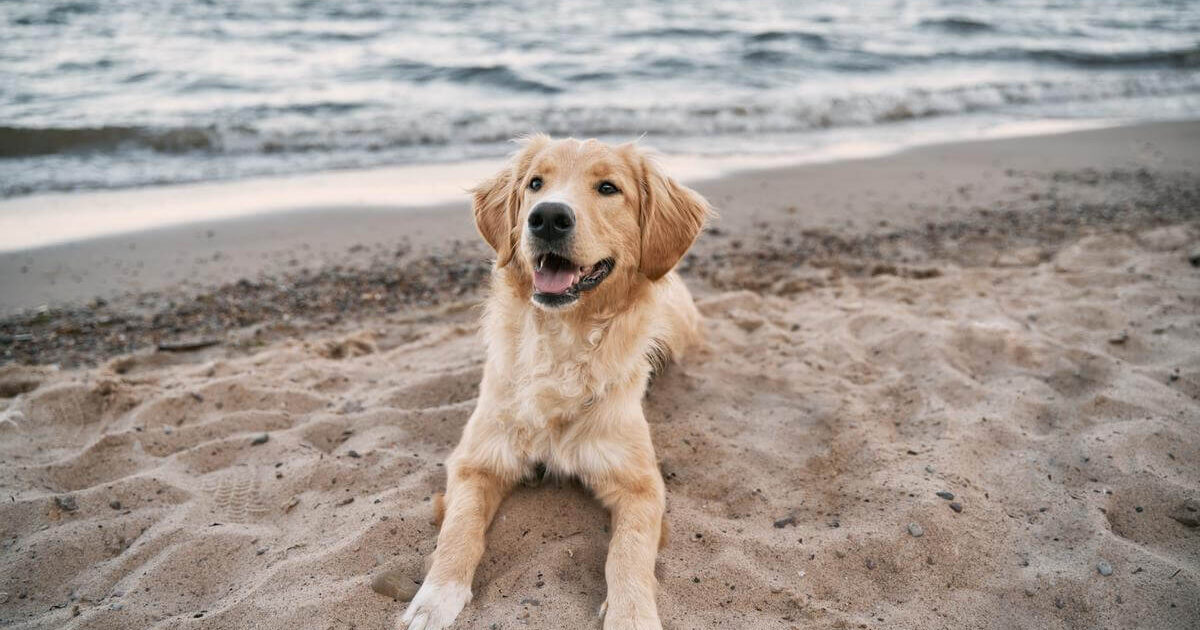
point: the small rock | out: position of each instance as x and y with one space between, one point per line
66 503
949 496
1105 569
262 439
114 504
870 564
353 453
1059 603
746 320
167 429
1029 592
916 530
260 551
1188 513
394 585
346 501
929 469
790 519
1119 338
3 598
956 506
187 345
1194 258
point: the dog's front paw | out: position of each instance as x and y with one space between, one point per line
435 606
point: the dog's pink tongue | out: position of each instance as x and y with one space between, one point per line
553 280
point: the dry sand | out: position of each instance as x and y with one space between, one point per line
1045 371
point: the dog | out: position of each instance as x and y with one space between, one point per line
584 303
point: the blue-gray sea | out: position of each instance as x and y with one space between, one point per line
114 93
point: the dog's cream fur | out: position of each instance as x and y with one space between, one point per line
563 386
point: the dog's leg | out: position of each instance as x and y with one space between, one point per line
472 496
636 498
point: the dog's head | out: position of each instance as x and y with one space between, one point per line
570 219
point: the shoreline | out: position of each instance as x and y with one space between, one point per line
204 254
1012 202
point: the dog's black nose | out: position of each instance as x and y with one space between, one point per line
551 221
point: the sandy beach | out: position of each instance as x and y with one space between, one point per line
956 387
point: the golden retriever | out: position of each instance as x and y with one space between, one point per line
583 303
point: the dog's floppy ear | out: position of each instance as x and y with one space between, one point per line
498 200
671 218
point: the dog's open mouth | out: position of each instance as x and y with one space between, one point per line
558 280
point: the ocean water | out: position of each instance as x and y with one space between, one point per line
119 93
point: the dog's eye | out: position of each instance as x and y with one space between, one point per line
607 188
535 183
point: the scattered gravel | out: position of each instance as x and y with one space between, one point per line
291 304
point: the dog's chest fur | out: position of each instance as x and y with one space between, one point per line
553 374
565 370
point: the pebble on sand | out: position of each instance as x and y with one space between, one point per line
1187 513
1105 569
949 496
114 504
394 585
262 439
66 503
956 506
916 530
